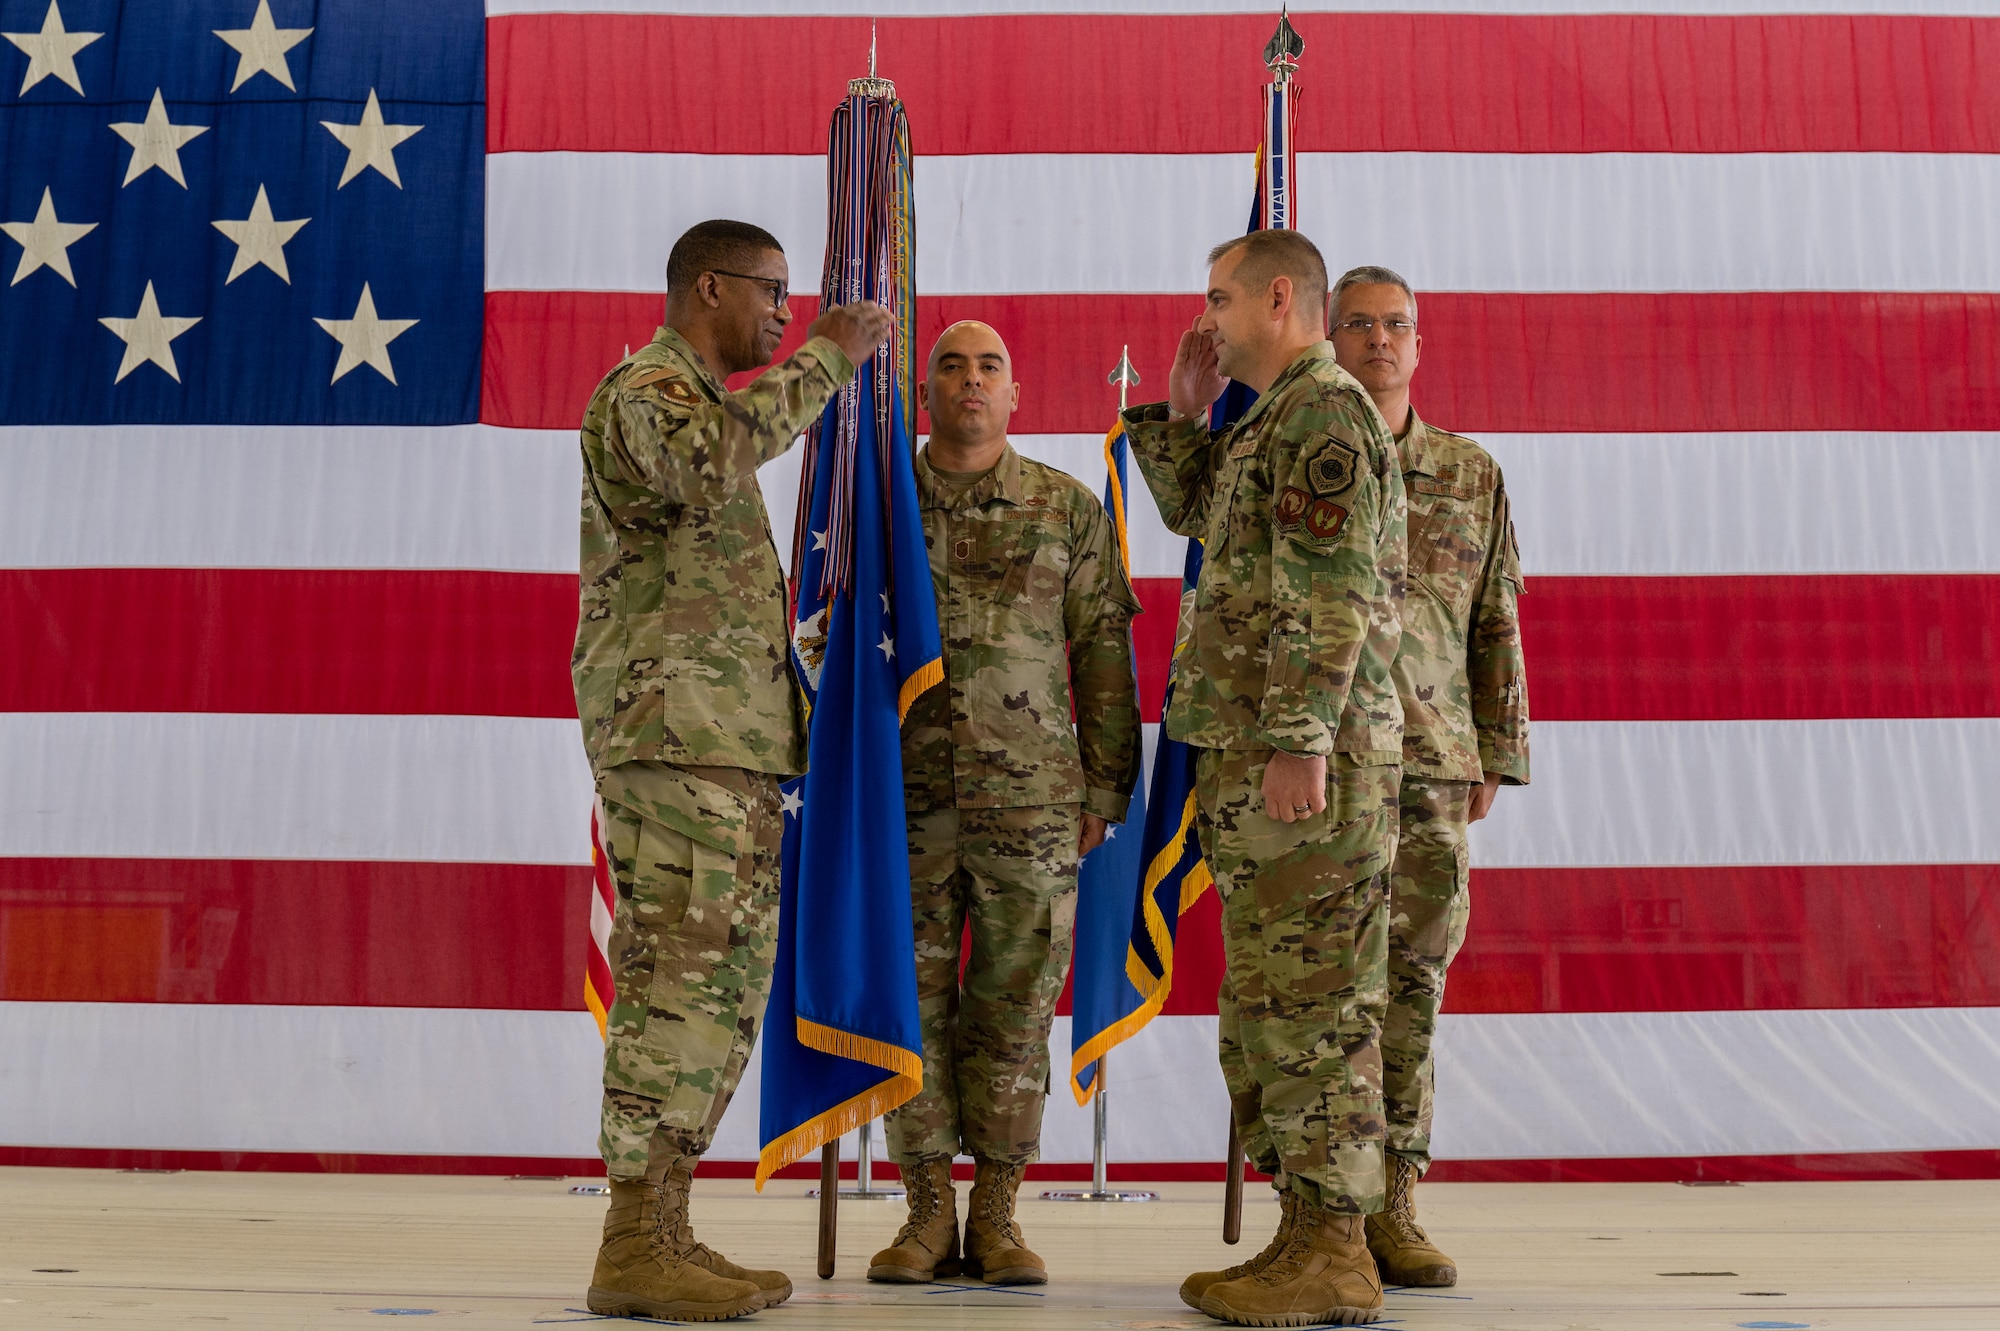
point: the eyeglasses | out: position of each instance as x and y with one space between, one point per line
1363 325
780 293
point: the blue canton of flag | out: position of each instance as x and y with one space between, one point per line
842 1043
241 211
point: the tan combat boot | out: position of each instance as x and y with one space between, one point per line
643 1268
1325 1275
926 1247
994 1249
775 1286
1291 1207
1402 1249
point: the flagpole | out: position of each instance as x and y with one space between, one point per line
1276 210
1100 1128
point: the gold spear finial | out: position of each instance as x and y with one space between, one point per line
1124 376
872 86
1281 54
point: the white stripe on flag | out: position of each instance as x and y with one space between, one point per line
206 785
1582 222
1751 792
444 1081
481 497
517 791
215 1077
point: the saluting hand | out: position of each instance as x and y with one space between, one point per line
858 328
1195 382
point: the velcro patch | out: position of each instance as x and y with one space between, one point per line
1325 519
1291 506
681 391
1332 469
1424 485
1245 447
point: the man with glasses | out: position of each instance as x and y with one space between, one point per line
1465 727
691 718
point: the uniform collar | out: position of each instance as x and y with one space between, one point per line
679 348
1318 351
1413 448
1002 483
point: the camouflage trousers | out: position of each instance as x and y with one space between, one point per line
1010 874
693 852
1305 938
1429 905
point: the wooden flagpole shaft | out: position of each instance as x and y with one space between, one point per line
829 1201
1232 1188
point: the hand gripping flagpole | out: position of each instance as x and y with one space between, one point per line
1127 379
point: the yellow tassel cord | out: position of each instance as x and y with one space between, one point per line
1117 495
929 673
596 1006
906 1078
1153 989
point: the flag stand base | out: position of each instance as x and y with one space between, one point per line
866 1189
1100 1133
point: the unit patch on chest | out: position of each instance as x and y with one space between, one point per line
1333 468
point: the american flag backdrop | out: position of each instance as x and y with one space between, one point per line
304 300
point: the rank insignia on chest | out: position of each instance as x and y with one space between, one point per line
1333 468
1246 447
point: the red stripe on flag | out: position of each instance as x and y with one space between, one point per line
1736 938
401 642
1852 1167
1515 362
416 642
1723 649
305 932
1062 83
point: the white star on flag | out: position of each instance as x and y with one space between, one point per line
791 802
365 339
156 141
261 47
885 601
52 51
45 241
371 143
148 336
260 238
887 647
819 540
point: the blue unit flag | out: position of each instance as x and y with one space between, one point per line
842 1043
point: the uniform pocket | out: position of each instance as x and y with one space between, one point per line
1446 551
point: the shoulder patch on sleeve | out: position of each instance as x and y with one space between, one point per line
667 381
1332 468
1325 519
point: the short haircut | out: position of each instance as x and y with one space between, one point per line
1370 275
1268 255
714 246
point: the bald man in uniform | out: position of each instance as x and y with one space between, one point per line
1004 796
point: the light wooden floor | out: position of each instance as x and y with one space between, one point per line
298 1251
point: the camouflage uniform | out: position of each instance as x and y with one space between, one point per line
1465 714
1035 611
1289 642
690 716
